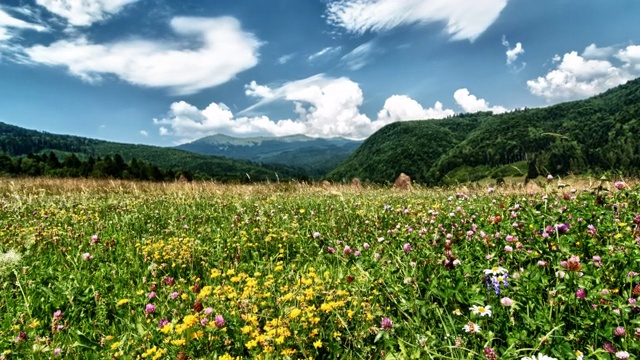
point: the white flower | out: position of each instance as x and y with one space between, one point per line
481 310
579 354
622 355
539 357
472 327
496 270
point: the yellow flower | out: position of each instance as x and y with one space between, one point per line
295 313
167 328
317 344
122 302
34 324
115 345
179 342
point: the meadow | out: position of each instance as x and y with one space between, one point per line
109 269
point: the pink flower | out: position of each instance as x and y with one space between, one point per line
386 323
505 301
208 311
620 331
365 246
57 351
151 295
94 239
316 235
347 250
86 256
219 321
407 248
508 249
174 295
581 294
150 308
331 250
620 185
57 315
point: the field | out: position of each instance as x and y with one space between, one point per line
105 269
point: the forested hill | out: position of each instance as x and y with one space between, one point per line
596 135
17 142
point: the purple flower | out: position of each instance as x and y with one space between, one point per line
407 248
21 336
347 250
490 354
150 308
581 294
174 295
386 323
219 321
331 250
164 322
151 295
620 331
204 321
591 230
169 281
57 315
610 348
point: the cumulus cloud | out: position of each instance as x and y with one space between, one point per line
83 12
461 20
218 49
324 107
470 103
402 107
578 77
357 58
594 52
9 25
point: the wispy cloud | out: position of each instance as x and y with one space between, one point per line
285 59
84 13
463 21
10 25
328 51
357 58
225 50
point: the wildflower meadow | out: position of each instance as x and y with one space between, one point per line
107 269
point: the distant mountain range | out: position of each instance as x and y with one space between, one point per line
596 135
314 156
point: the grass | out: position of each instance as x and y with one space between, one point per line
113 269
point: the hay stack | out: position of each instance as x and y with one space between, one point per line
403 182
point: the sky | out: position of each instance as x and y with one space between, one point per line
166 72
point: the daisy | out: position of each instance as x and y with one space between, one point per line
579 355
472 328
481 310
496 270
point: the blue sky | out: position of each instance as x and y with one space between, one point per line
165 72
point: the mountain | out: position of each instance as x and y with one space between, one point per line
315 156
595 135
17 141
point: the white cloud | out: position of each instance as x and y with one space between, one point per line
285 59
328 51
357 58
84 12
462 20
470 103
325 107
631 56
577 77
144 133
259 91
9 24
512 53
594 52
402 107
224 51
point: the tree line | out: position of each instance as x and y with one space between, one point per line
99 167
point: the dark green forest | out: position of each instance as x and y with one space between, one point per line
23 145
593 136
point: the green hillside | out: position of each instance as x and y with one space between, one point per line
16 141
595 135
